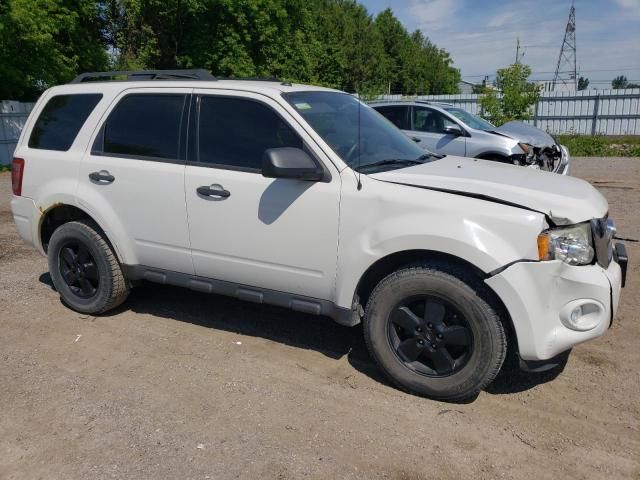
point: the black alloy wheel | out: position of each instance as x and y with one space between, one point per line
434 330
79 270
430 336
84 268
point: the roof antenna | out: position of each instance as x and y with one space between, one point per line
359 91
359 145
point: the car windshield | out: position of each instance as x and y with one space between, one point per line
364 139
470 120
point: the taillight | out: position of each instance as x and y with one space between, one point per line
17 172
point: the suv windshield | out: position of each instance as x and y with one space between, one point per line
470 120
363 138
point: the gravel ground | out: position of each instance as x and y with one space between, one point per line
177 384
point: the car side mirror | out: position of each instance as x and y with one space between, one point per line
453 130
288 162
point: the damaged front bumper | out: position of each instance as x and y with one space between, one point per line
554 159
542 298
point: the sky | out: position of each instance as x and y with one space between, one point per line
481 35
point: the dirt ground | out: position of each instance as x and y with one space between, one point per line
177 384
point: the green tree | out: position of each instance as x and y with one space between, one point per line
47 42
396 42
329 42
619 82
515 97
416 65
350 49
583 83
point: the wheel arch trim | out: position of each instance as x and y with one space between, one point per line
45 209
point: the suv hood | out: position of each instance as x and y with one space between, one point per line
566 200
525 133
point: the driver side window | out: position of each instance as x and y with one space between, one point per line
428 120
234 133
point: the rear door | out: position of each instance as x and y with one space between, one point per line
133 176
428 125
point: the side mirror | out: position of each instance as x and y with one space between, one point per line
453 130
288 162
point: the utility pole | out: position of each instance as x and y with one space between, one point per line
566 69
518 51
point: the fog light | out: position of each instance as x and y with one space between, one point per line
576 313
582 315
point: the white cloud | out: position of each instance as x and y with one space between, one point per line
432 14
631 6
502 19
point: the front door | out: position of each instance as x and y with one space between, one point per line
278 234
428 125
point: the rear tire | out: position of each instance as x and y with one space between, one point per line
84 269
433 332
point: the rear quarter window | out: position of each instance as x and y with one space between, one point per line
398 115
61 119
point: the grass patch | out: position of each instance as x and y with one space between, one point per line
5 168
601 146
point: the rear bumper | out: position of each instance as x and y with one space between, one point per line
540 297
24 212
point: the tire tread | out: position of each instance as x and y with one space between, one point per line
464 279
119 286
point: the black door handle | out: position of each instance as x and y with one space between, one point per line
416 139
102 177
213 191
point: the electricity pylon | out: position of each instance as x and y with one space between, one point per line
566 70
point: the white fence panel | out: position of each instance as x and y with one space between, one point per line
13 116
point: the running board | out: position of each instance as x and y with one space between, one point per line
247 293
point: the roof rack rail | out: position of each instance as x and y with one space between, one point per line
434 102
258 79
411 100
142 75
252 79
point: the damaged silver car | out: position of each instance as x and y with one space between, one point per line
446 129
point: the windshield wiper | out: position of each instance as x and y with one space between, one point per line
403 162
428 155
394 162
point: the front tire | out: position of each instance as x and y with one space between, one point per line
84 269
433 332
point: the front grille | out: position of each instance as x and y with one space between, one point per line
603 229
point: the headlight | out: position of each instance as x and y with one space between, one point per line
572 245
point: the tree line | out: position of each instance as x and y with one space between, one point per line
334 43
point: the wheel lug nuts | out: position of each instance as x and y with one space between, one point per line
419 329
430 325
421 342
440 336
433 345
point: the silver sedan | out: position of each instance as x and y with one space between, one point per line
445 129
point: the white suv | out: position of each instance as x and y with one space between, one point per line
304 197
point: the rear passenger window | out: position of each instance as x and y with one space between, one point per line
235 132
60 121
399 116
143 125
